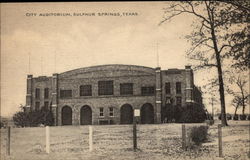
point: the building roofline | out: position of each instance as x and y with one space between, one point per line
107 65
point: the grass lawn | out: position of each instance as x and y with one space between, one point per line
162 141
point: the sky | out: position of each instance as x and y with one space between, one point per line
43 45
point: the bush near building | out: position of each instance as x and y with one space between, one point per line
188 114
192 114
33 118
1 124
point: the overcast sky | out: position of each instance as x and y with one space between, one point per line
62 43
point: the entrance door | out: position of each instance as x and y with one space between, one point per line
86 115
66 115
126 114
147 114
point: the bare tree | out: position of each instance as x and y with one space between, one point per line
209 39
239 89
236 103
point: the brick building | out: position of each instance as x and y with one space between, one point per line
108 94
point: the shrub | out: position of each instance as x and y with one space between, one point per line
33 118
172 113
219 117
236 117
209 122
1 124
229 117
243 117
192 114
198 135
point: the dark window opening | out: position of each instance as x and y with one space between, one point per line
46 93
105 88
101 112
168 87
126 89
104 122
37 106
65 93
147 90
111 111
86 90
46 105
178 87
37 94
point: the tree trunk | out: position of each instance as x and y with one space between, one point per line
221 83
218 60
243 101
236 110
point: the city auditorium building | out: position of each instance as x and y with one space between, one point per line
108 94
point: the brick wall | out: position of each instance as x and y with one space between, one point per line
138 75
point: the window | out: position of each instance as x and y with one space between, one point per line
46 105
46 93
111 112
105 87
37 106
147 90
167 87
178 87
37 94
65 93
126 89
178 100
85 90
101 112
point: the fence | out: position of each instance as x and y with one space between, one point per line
82 139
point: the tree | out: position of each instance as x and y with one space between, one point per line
209 39
238 88
236 103
21 119
239 39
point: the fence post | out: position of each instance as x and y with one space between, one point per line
220 140
134 134
47 139
8 141
184 137
90 138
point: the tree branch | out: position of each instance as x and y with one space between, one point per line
223 46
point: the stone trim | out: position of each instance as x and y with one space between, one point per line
158 102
